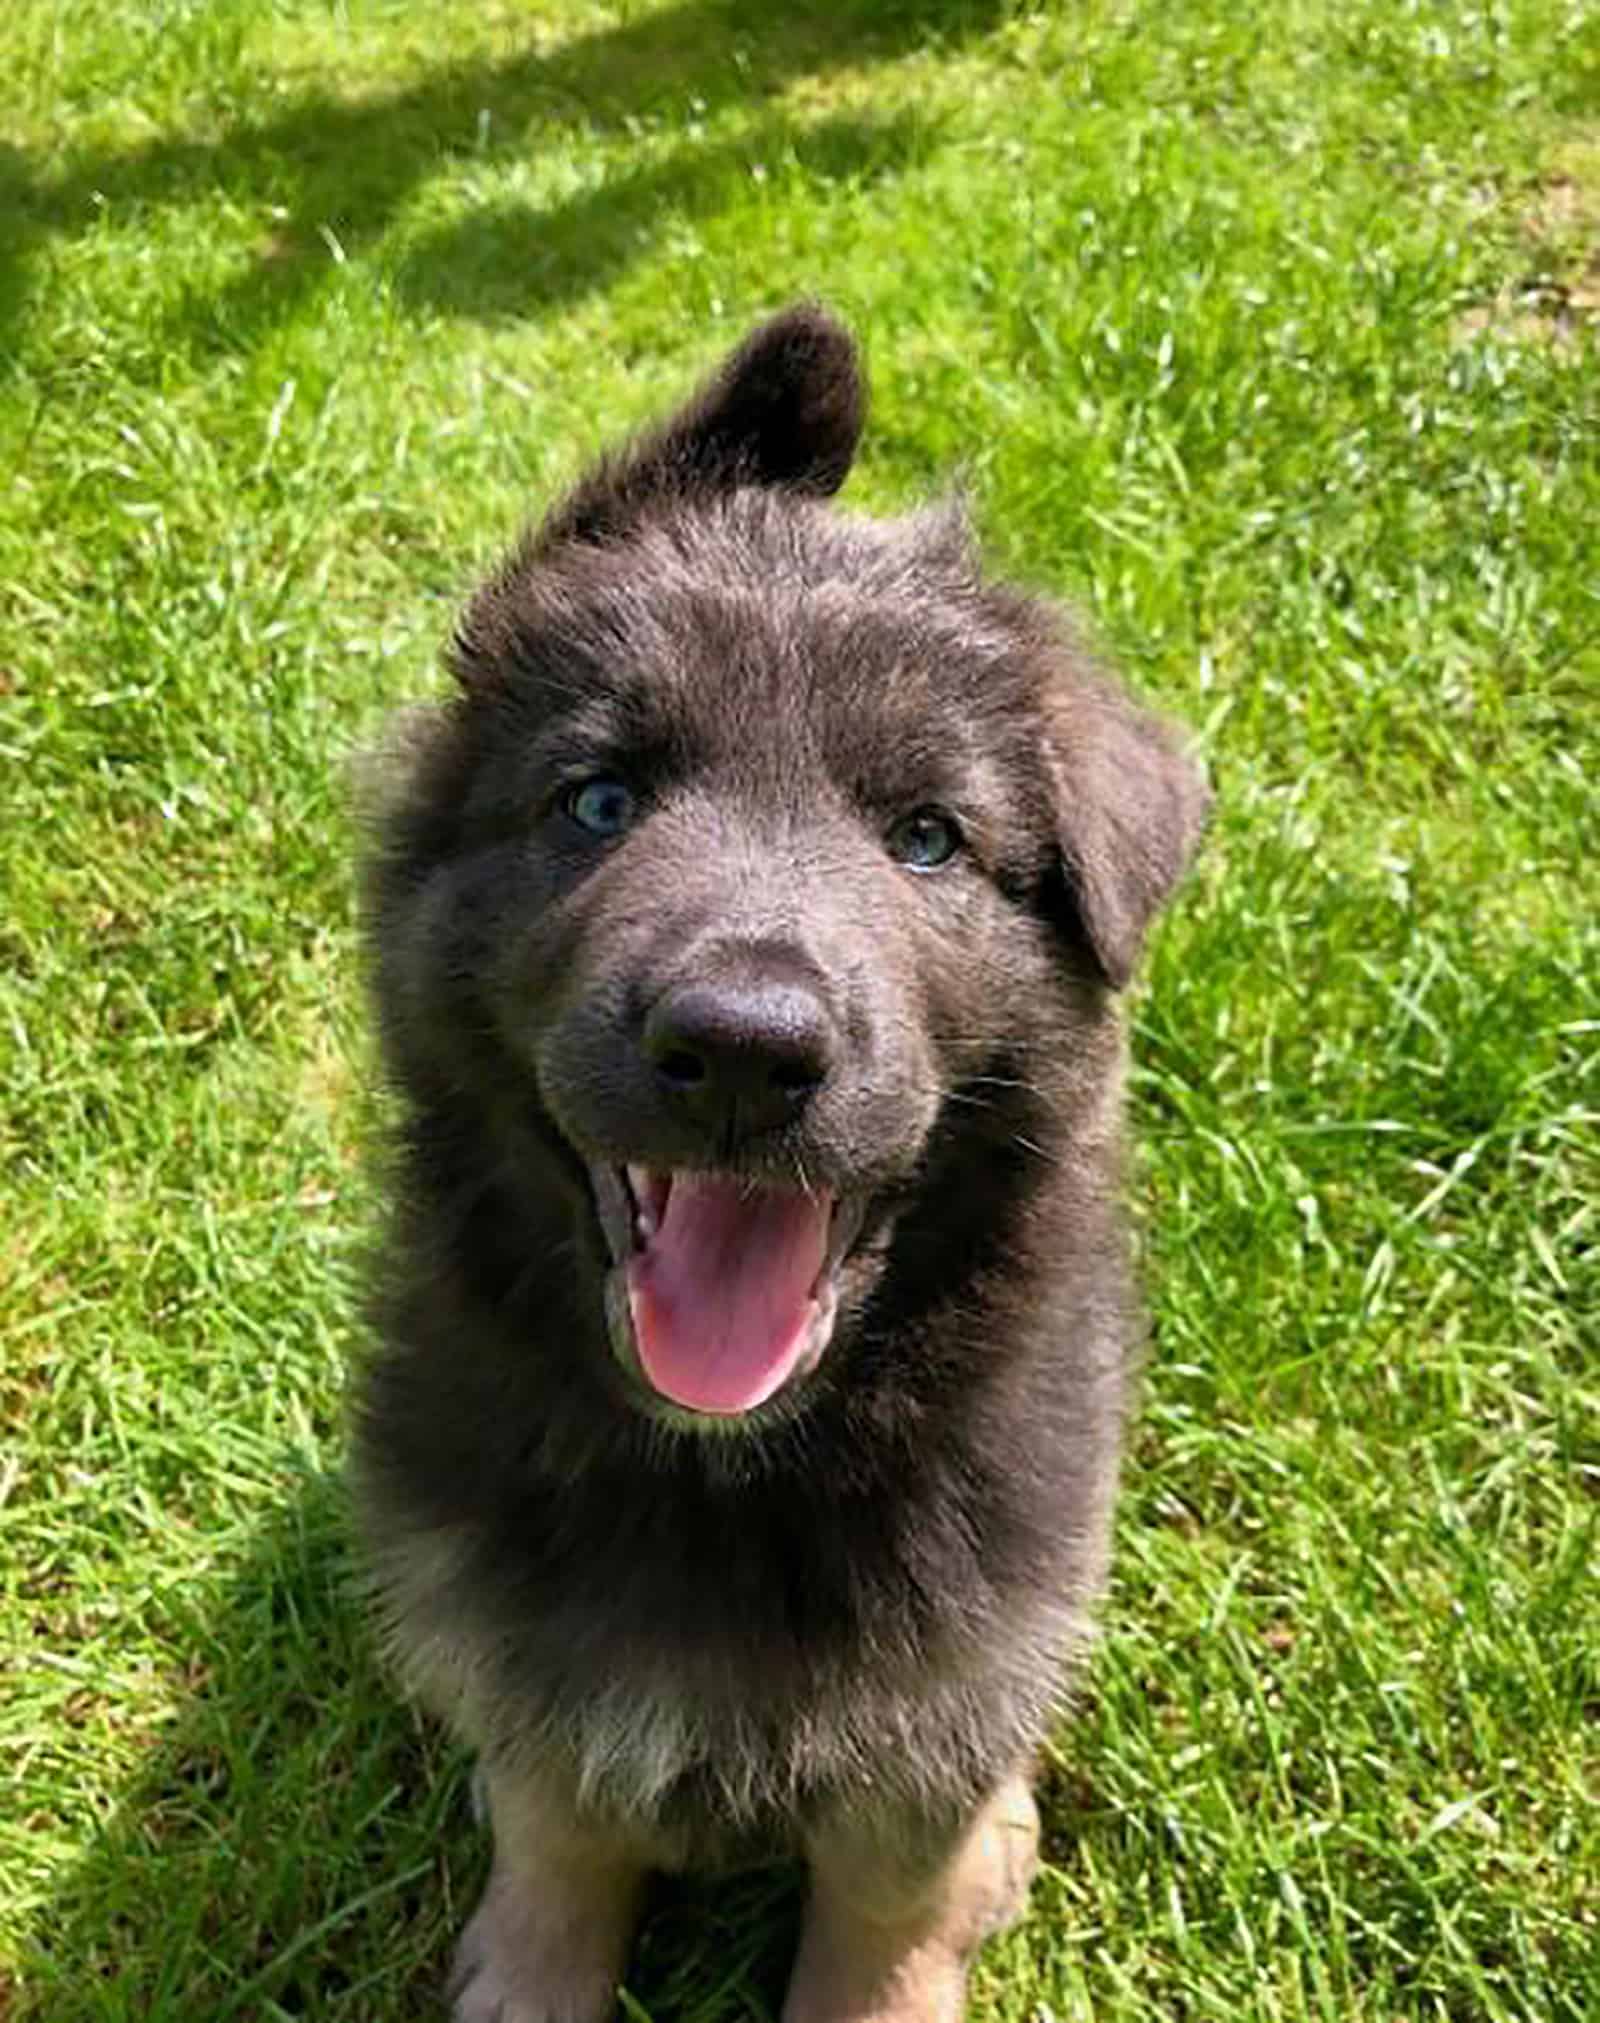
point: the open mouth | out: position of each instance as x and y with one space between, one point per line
723 1289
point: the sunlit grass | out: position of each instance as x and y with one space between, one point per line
1268 335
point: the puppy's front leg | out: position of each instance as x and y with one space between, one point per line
549 1940
891 1926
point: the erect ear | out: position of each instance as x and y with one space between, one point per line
1130 806
785 410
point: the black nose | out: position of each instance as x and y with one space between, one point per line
740 1056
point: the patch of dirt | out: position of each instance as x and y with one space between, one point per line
1555 302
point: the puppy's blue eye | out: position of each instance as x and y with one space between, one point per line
602 806
926 839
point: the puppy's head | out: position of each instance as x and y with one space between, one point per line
768 868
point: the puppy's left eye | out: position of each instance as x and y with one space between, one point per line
926 839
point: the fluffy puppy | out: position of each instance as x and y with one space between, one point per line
737 1455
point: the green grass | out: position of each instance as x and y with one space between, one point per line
1265 333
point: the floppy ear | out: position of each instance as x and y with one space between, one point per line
1130 805
785 410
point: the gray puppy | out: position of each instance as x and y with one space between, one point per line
736 1461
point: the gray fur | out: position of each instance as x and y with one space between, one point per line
863 1598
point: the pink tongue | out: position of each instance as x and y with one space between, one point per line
721 1297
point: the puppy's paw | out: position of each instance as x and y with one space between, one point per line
883 1944
1003 1861
928 1985
507 1970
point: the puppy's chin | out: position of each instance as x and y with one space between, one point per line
722 1295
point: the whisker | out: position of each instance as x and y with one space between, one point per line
972 1102
1039 1152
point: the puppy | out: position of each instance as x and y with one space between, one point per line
737 1455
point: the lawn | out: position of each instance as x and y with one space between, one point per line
1270 335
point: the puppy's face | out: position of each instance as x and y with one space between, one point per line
747 861
763 850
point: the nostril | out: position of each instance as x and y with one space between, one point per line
796 1078
681 1068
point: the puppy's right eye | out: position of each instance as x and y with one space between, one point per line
603 806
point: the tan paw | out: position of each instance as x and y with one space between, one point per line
882 1945
509 1970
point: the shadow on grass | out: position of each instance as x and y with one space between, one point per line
301 1846
325 165
513 260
